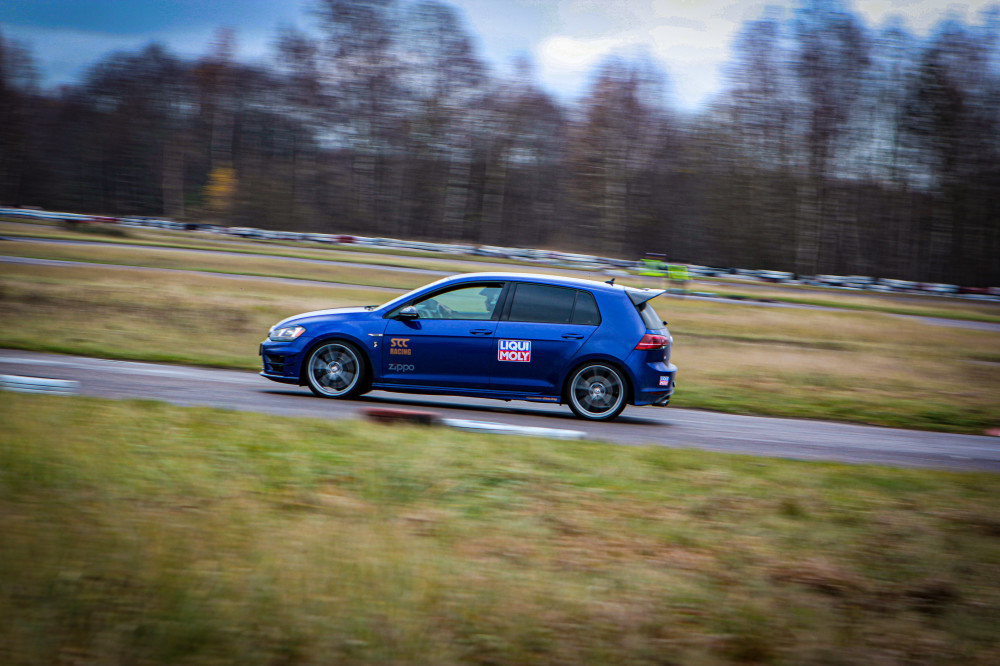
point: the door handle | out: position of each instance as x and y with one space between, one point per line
481 331
573 336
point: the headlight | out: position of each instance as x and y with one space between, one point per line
285 333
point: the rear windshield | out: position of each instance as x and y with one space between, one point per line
649 317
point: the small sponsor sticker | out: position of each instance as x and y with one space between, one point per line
665 381
514 350
400 346
401 367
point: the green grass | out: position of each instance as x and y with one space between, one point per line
850 366
135 532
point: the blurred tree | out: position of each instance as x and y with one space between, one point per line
832 148
136 103
18 79
220 192
520 144
832 56
950 116
755 215
613 147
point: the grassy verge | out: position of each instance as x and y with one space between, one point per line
850 366
177 318
270 253
144 533
223 262
375 256
861 367
903 304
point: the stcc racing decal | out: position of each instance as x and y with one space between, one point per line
514 350
400 346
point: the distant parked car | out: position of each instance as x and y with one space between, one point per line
592 345
774 276
939 288
896 285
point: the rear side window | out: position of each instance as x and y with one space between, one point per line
547 304
649 317
542 303
586 312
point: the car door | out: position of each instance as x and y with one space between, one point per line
450 342
543 328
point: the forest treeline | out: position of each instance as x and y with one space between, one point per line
833 147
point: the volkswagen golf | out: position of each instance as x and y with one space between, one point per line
594 346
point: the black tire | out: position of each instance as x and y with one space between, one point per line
335 369
597 392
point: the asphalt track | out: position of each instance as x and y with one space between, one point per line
784 438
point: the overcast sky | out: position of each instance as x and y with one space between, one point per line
565 38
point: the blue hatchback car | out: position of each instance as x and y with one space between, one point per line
592 345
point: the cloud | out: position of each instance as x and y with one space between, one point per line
691 39
692 49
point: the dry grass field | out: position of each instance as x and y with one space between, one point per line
222 262
141 533
370 255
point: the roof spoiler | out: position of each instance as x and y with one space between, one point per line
640 296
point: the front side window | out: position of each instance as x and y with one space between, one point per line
465 302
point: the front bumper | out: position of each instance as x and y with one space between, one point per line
280 361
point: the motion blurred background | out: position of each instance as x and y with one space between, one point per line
813 136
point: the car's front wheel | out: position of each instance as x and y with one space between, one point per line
596 392
335 370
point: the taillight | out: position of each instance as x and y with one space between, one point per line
651 341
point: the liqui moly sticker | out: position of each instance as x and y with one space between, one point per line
664 380
515 350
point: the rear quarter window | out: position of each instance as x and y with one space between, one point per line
586 312
649 317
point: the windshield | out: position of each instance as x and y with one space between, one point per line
399 300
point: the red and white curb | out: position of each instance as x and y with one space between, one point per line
492 428
39 385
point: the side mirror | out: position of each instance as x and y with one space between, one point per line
409 312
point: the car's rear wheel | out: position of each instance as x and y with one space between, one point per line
335 370
597 392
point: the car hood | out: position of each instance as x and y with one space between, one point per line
326 315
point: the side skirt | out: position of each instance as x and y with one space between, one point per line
469 393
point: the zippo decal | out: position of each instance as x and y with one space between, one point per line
514 350
400 346
400 367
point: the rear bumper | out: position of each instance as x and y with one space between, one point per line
655 383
